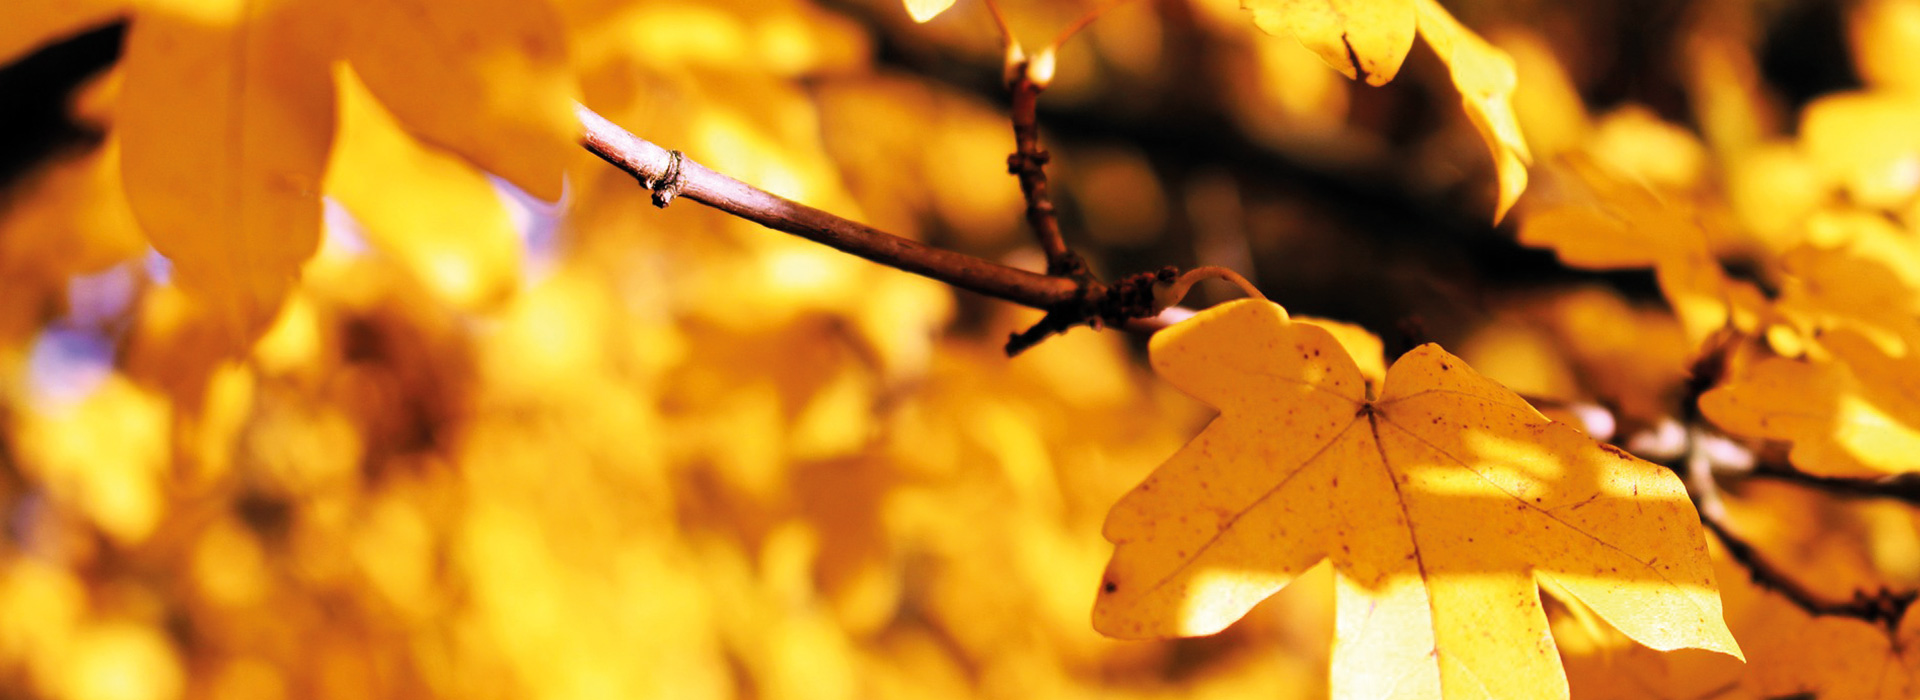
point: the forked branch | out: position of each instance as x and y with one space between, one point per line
1068 300
670 174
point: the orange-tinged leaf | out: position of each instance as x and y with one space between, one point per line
1441 504
32 23
923 10
434 213
1886 43
1485 77
1374 33
486 79
1866 141
226 117
1855 416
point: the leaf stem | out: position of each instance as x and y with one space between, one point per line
1177 291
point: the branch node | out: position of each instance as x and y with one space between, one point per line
1096 306
669 185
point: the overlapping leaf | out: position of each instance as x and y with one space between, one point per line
1853 415
1441 504
1370 38
226 119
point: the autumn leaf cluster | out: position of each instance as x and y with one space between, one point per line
331 366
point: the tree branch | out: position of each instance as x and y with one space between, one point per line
1899 487
670 174
1029 163
1068 300
1885 608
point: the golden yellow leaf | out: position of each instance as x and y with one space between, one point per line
1886 43
1485 77
1855 416
486 79
1866 142
1622 225
32 23
437 215
1441 504
923 10
1359 38
225 120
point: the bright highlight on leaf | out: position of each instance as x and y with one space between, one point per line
1857 415
923 10
1370 38
1363 39
1443 504
1485 77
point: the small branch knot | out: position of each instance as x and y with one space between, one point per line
669 185
1023 163
1097 305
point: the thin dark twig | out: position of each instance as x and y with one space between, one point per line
1029 163
1900 487
1885 608
1068 301
668 173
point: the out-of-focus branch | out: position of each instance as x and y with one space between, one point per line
1885 608
1899 487
670 174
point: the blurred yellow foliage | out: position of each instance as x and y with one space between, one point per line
333 368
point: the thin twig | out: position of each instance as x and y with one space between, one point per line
1029 163
1068 301
1000 21
1900 487
1885 608
656 168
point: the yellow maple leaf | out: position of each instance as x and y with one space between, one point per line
1442 505
226 118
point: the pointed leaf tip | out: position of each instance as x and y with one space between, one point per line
923 10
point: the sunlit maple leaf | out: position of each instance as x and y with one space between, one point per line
1442 505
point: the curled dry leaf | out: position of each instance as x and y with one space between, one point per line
1443 504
